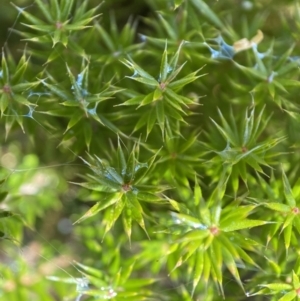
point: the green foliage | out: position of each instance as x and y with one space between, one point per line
13 88
243 148
209 238
122 189
126 174
164 99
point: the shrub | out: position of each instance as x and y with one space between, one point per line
150 150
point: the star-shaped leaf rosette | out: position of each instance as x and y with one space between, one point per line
245 149
55 24
76 101
164 104
122 189
207 236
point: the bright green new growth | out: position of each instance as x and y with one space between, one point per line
208 236
122 189
128 175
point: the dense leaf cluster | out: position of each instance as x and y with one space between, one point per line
150 150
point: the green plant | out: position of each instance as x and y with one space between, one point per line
126 174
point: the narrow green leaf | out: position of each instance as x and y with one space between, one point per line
205 10
146 100
174 73
132 101
278 207
56 90
233 225
191 140
248 126
205 214
175 58
158 94
174 114
45 10
193 247
179 207
206 268
276 268
164 67
288 220
101 205
251 72
277 287
199 264
173 96
74 120
32 19
137 211
287 233
180 83
121 158
21 99
215 253
141 173
296 283
231 265
41 27
233 213
227 243
151 121
92 271
4 101
297 265
22 87
149 197
114 175
113 214
259 125
218 193
186 218
288 191
127 220
5 71
225 135
18 74
288 296
106 181
87 15
55 10
296 221
96 187
106 38
66 6
131 164
138 70
193 235
160 115
143 80
197 192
